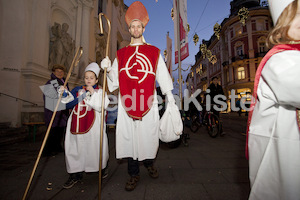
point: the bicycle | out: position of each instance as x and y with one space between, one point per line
210 120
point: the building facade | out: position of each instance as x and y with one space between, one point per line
35 34
239 51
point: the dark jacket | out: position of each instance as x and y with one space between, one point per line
61 116
214 91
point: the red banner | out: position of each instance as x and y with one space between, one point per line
184 47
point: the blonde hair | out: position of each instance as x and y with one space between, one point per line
279 34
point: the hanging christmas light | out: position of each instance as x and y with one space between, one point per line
188 28
213 59
208 54
196 39
217 30
165 52
203 49
243 15
172 14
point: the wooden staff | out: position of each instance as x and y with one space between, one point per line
103 97
74 63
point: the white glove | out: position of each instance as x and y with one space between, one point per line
88 96
67 98
61 89
106 63
170 96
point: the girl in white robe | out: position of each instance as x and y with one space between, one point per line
274 136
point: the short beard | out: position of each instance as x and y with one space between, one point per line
136 37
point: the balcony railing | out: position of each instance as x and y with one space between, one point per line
260 54
240 57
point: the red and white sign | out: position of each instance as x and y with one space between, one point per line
184 46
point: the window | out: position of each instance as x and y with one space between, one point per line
241 73
260 25
238 30
239 50
262 45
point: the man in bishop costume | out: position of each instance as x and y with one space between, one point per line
135 71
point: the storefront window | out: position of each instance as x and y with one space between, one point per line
241 73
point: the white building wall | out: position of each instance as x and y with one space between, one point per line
25 31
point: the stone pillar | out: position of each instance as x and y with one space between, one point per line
84 39
78 33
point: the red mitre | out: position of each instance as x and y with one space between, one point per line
137 11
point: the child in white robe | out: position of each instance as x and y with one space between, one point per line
82 141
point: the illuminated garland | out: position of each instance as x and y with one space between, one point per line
172 14
196 39
207 54
217 30
243 15
165 53
182 69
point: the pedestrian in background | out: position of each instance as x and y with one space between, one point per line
82 141
215 89
54 142
273 134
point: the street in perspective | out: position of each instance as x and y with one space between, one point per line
202 167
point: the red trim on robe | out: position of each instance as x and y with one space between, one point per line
274 50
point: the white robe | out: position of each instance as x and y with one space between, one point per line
274 136
139 139
82 150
